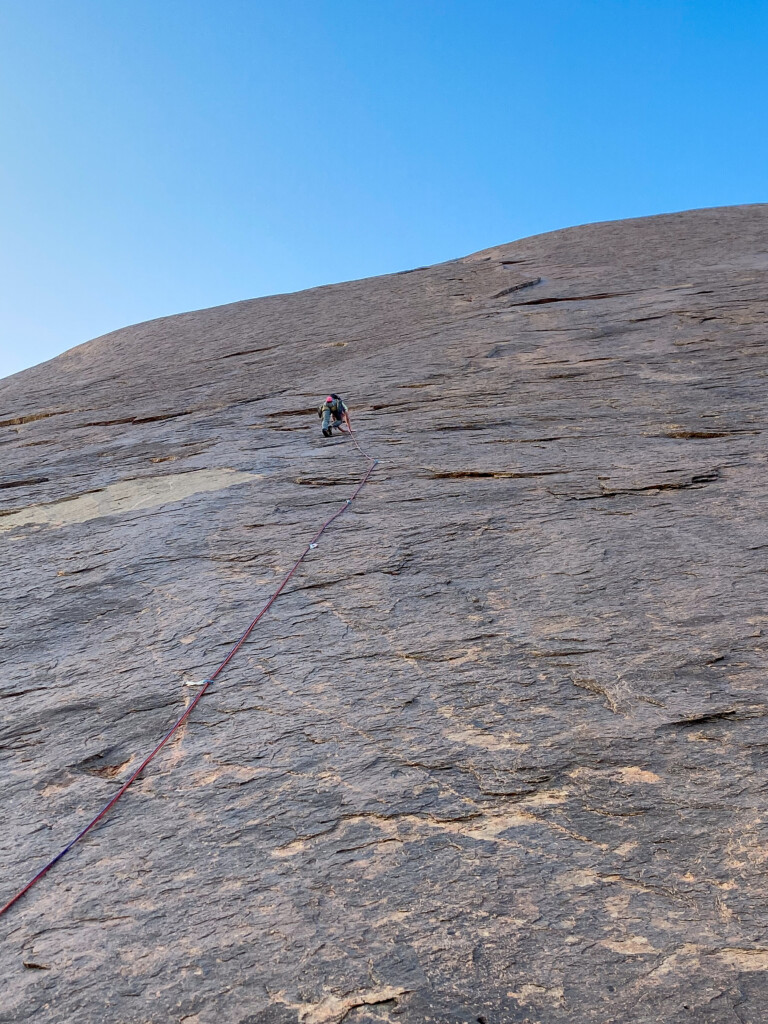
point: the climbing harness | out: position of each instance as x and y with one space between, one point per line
205 683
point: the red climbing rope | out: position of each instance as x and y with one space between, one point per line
352 435
207 681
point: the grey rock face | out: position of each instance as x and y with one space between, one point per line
498 753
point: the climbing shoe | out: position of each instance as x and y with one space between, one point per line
327 432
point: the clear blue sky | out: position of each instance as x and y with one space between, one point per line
164 155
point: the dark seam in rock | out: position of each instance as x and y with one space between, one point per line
517 287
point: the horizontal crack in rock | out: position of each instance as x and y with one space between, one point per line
249 352
136 419
32 417
517 288
24 483
573 298
457 474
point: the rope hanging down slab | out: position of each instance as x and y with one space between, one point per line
206 682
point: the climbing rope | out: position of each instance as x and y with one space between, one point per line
209 679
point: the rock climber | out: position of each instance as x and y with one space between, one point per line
333 413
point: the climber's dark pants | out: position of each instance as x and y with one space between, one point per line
327 420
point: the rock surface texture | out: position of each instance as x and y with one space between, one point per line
498 754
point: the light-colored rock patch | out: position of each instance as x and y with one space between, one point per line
126 496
